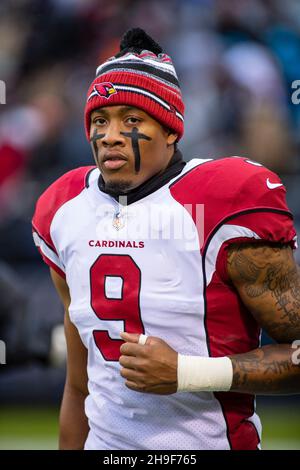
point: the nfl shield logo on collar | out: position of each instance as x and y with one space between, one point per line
118 221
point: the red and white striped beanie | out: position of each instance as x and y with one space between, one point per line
139 75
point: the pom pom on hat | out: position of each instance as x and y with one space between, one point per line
138 39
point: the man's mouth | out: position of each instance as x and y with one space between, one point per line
114 160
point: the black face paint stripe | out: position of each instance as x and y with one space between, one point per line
93 141
135 136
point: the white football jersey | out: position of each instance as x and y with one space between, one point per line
157 267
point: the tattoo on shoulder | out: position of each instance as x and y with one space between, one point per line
267 270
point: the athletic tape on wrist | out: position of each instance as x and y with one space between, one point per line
204 374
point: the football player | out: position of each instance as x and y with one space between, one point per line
186 261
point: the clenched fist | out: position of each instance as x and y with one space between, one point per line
148 368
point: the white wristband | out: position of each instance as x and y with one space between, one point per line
204 374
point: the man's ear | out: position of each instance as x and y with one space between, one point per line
172 138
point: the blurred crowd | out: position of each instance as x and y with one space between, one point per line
236 62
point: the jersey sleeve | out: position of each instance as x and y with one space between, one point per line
248 205
61 191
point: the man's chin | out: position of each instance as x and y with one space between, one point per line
118 186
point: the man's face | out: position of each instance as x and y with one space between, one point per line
129 146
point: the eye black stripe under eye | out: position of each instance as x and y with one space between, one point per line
134 135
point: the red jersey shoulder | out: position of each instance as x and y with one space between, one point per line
232 184
243 183
61 191
230 187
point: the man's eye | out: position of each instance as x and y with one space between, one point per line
99 121
133 120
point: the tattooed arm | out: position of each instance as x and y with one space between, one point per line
268 282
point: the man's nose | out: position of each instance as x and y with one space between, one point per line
112 136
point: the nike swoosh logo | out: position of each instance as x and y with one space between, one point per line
273 185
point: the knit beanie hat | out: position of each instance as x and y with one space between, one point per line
140 75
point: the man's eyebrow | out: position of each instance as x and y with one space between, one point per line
99 111
126 109
123 110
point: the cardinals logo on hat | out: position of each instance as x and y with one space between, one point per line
104 89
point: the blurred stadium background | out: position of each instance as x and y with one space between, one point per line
236 62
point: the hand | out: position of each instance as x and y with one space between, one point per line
150 368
